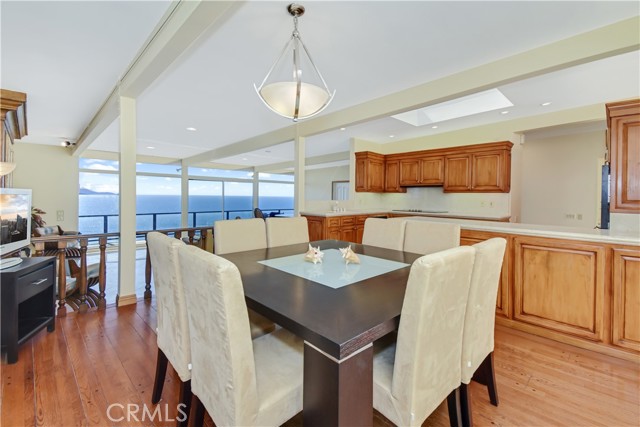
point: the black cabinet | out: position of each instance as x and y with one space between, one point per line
27 299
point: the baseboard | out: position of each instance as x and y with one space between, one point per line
126 300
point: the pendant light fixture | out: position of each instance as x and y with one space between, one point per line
283 89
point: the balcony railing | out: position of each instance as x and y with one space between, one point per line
106 223
75 247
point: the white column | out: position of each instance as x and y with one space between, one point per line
184 200
256 188
298 169
127 248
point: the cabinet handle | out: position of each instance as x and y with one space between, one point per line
39 282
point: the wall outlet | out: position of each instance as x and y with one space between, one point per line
59 215
579 216
482 204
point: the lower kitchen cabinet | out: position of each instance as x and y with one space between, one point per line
348 228
625 328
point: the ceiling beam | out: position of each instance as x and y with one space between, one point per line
604 42
309 161
183 23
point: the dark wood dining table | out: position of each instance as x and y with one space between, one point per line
338 326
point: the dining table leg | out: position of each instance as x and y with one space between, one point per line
338 392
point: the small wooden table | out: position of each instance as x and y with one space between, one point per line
338 326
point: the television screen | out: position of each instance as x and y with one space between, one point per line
15 216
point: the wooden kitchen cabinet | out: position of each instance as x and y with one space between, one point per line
483 172
392 177
471 237
422 171
559 285
625 327
370 171
623 120
348 228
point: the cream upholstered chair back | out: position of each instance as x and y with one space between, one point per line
286 231
384 233
424 237
236 235
239 381
173 325
479 321
412 377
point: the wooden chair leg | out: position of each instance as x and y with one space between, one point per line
453 404
161 371
197 415
185 402
490 378
465 406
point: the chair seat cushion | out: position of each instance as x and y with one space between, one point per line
279 370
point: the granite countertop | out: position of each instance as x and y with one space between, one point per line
482 223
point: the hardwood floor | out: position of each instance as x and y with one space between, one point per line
102 363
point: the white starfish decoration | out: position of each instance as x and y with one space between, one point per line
314 255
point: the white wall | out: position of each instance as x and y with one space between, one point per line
560 177
51 172
318 181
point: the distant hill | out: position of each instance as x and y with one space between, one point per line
87 191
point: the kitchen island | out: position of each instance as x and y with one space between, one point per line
578 286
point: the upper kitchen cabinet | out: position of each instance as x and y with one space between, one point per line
419 171
392 177
623 120
370 172
482 168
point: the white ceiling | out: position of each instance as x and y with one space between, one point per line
364 49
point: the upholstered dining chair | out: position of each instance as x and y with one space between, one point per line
479 323
257 213
238 381
173 326
286 231
414 374
384 233
243 235
237 235
425 237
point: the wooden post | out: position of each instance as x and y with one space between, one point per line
102 304
147 275
83 306
62 279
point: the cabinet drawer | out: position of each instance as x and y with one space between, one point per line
347 220
360 219
333 222
33 283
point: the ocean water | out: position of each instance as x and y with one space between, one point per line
203 209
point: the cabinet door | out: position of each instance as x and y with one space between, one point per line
488 171
468 238
361 177
392 177
316 228
625 327
457 173
375 176
625 164
432 171
410 172
560 285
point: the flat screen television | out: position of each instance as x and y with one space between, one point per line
15 217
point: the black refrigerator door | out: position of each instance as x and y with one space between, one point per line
604 198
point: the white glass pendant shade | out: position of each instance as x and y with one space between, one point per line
281 98
283 89
6 168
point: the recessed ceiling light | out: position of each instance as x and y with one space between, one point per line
343 128
392 136
151 148
245 159
544 104
192 129
504 112
434 127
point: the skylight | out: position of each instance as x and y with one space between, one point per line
469 105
